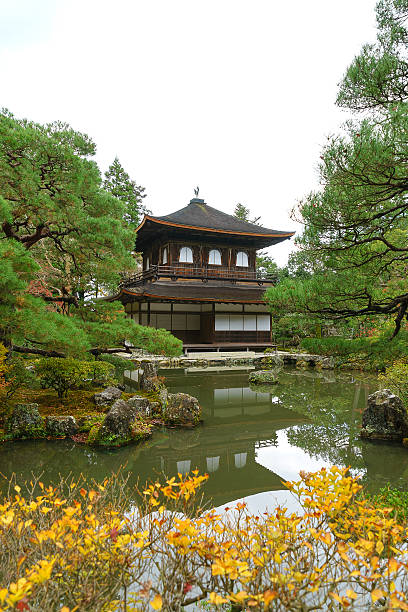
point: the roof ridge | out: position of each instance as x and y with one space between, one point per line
197 213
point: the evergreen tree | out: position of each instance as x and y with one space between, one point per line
243 213
62 236
355 227
120 185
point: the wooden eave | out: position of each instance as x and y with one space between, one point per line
157 296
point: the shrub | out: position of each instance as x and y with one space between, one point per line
64 374
395 378
88 548
102 373
20 374
119 363
390 497
367 353
290 328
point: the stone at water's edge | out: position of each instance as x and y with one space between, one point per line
325 363
119 419
273 360
263 377
149 380
141 404
25 422
107 396
149 369
61 426
181 409
385 417
163 397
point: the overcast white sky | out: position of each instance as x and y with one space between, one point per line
236 96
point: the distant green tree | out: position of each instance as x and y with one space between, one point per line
62 238
120 185
243 213
267 265
354 244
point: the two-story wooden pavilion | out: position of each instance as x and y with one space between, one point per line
199 278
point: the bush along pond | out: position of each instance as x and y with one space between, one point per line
82 409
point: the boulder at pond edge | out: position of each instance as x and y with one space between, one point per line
263 377
122 424
181 409
107 396
60 426
25 422
385 417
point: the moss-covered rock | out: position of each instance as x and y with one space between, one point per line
61 426
140 404
155 409
302 364
325 363
107 396
385 417
122 424
86 422
149 381
263 377
272 360
181 409
25 422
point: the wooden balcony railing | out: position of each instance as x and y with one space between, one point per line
174 272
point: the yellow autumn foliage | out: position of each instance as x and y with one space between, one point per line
73 547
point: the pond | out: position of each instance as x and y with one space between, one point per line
251 440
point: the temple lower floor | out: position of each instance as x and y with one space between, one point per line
205 323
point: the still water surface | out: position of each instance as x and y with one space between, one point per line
251 440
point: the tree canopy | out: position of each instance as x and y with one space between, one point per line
354 242
120 185
64 242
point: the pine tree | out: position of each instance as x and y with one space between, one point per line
120 185
355 226
242 212
61 237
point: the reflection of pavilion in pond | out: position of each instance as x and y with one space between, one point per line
238 421
231 464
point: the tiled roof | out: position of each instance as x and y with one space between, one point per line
197 214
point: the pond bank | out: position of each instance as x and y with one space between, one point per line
203 360
115 418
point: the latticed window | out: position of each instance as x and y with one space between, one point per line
186 255
242 259
214 257
164 255
147 263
